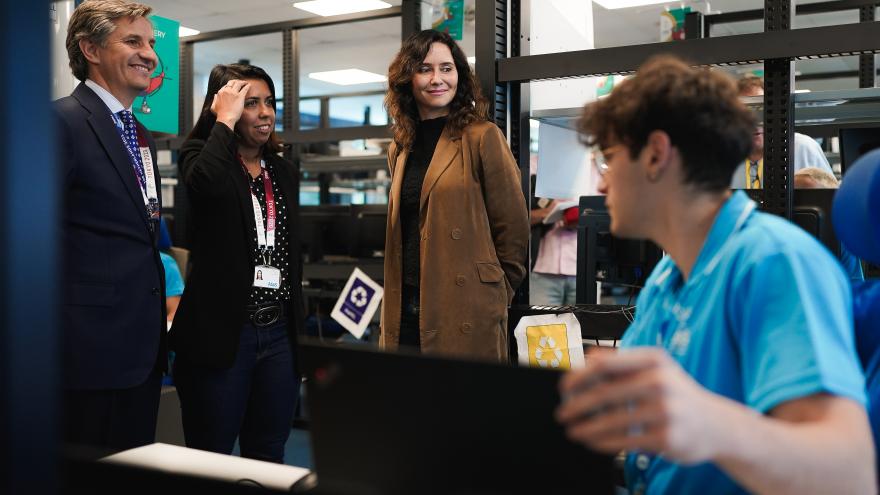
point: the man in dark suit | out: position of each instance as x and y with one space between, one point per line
113 282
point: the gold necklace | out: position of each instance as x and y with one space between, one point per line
249 165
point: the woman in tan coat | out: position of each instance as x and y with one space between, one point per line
457 233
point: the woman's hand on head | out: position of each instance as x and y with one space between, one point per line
229 102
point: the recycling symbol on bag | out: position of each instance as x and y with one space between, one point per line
359 297
547 354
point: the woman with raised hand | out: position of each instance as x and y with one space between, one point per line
236 325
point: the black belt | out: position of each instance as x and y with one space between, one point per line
263 315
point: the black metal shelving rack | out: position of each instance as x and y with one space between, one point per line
778 46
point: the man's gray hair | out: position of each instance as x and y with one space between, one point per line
94 20
822 178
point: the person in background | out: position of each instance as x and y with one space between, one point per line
739 373
113 314
750 173
173 278
817 178
458 230
553 280
234 333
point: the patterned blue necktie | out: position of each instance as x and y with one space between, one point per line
129 134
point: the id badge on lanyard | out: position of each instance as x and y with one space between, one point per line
151 196
265 275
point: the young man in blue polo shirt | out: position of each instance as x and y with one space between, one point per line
739 373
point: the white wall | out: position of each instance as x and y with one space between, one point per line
561 26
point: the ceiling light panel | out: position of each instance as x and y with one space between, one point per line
338 7
185 31
347 77
622 4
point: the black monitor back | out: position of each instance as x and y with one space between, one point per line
855 142
811 210
605 258
356 231
368 224
385 423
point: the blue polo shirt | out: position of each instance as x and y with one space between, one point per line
766 317
173 280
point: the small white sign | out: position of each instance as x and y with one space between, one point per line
358 302
550 341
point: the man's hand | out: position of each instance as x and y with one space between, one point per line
638 399
228 103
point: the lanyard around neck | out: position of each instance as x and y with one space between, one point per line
265 232
759 176
147 181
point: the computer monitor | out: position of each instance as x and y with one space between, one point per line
368 224
384 423
355 231
811 210
323 231
605 258
855 142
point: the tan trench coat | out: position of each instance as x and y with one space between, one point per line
474 238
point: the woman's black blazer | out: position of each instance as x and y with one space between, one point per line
212 309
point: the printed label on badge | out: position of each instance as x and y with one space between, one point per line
358 302
267 277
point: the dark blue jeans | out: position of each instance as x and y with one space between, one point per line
253 400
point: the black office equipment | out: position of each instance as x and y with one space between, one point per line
390 424
352 231
855 142
811 211
605 258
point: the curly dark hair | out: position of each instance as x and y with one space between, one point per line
468 104
698 108
220 75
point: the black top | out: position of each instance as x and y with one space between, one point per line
280 253
427 134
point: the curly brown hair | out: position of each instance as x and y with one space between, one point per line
698 108
468 104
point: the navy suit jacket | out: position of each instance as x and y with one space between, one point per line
113 313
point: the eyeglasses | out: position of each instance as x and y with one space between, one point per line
599 159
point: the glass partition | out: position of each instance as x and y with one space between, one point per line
309 113
363 49
358 110
263 50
